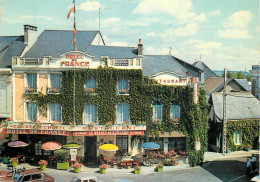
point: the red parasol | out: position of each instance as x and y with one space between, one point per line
51 145
17 144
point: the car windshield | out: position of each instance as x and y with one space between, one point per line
17 177
75 179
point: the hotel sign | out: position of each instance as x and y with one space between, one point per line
32 131
74 59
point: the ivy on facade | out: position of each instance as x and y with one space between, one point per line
143 91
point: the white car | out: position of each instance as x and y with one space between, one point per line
255 179
85 178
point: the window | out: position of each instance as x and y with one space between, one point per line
55 83
36 176
91 86
131 62
122 113
122 142
31 79
137 62
121 62
26 178
31 113
237 137
90 113
157 111
175 111
122 86
55 112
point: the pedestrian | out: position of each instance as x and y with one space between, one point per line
253 162
248 167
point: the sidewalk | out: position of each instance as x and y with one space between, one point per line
211 156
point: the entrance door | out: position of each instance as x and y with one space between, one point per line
91 149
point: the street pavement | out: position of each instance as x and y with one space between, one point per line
217 167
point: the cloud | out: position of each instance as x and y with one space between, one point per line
234 34
89 6
176 8
118 44
189 29
236 26
110 21
214 13
201 44
240 19
200 18
162 51
25 18
150 34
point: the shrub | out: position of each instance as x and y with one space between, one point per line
77 165
62 155
103 166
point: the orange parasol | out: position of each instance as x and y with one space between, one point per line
51 145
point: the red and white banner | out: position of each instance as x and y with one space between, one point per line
93 133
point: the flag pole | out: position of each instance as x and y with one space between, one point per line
74 42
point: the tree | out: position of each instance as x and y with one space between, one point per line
240 75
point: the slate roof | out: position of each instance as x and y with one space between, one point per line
56 42
243 83
216 84
240 106
112 52
10 46
153 64
207 71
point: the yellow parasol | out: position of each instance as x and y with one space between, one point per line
108 147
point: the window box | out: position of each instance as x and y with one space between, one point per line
53 90
90 91
30 90
157 121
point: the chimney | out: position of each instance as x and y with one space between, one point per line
30 35
195 81
140 48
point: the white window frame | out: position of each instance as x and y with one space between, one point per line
154 117
26 81
237 138
84 115
49 112
25 111
49 80
128 86
120 122
174 103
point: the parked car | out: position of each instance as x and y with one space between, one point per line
255 179
32 175
85 178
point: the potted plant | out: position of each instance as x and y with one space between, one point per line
228 150
90 90
126 124
37 125
55 124
138 123
123 91
102 168
72 124
53 90
159 167
13 162
30 89
77 167
62 156
21 123
143 123
248 147
157 121
108 125
137 169
91 124
43 164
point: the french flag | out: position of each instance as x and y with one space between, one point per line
72 10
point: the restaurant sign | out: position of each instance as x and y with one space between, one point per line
93 133
32 131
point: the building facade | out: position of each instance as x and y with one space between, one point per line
94 94
255 76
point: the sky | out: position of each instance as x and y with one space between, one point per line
221 33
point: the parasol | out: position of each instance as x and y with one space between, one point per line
72 145
150 146
17 144
52 145
108 147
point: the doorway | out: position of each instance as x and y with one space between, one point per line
90 149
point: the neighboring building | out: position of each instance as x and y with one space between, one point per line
108 84
243 119
255 81
207 71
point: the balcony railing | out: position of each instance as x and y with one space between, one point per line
32 61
